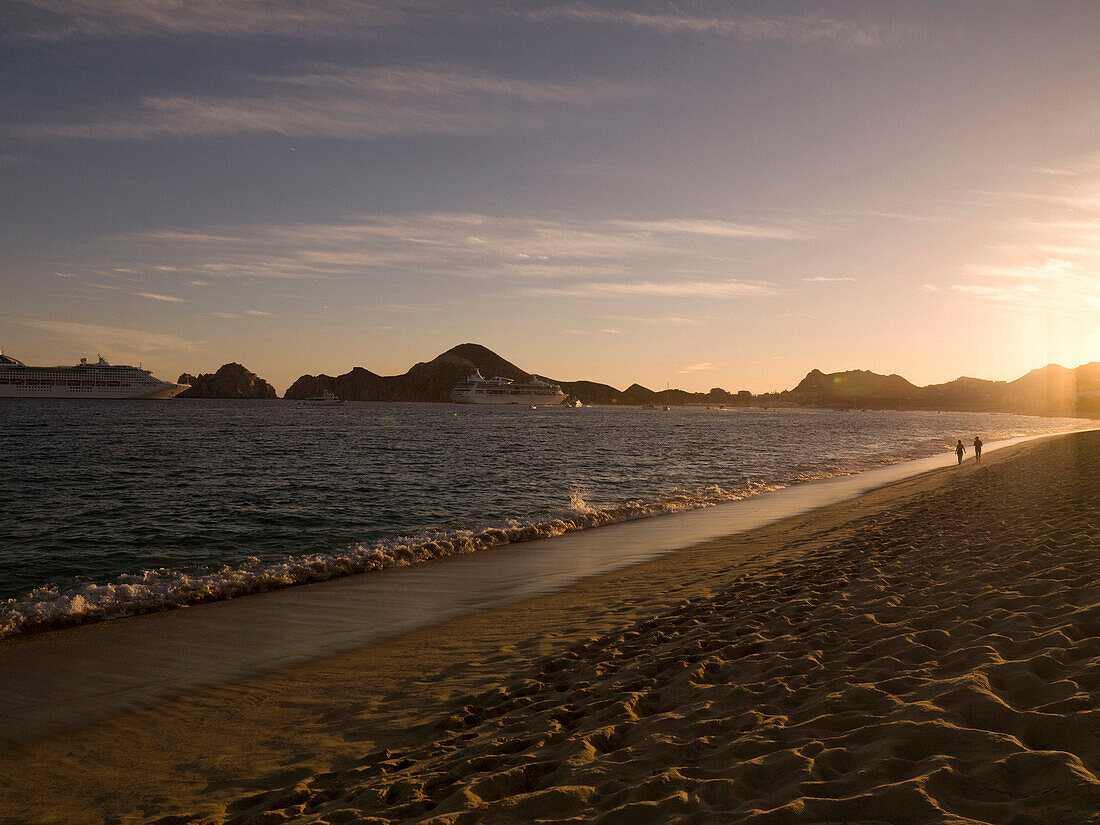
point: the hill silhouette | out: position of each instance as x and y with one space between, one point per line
230 381
1051 390
425 381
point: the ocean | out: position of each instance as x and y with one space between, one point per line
113 508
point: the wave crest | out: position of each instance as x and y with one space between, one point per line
51 607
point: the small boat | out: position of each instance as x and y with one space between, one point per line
325 399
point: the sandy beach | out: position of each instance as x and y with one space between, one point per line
928 652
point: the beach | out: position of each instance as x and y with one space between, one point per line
926 652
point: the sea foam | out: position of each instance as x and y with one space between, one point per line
51 607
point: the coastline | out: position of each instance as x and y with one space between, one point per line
204 750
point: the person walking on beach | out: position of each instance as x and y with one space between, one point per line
959 450
978 449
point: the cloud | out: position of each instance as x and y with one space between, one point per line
662 321
904 217
349 103
513 250
155 297
1055 285
821 279
1049 257
115 19
237 18
1053 268
706 367
716 229
257 312
225 315
854 33
665 289
113 338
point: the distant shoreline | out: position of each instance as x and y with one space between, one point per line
1051 391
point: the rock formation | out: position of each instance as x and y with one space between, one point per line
231 381
1051 390
431 381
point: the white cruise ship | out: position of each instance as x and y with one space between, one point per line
98 380
478 390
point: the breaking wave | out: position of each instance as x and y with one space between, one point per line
51 607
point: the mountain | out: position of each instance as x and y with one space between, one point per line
358 385
231 381
851 387
590 392
1051 390
964 394
431 381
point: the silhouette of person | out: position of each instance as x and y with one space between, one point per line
978 449
959 450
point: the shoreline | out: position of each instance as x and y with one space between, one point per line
257 733
69 678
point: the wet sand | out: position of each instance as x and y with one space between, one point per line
925 653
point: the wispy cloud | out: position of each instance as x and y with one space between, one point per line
706 367
509 250
109 338
903 217
821 279
660 321
1047 264
155 297
351 103
711 228
851 32
143 18
257 312
1053 286
1052 268
665 289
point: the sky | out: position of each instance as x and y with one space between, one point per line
686 194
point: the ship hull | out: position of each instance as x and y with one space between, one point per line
503 401
165 391
101 380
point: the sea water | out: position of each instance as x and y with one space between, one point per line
111 508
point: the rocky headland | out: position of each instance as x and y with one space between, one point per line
231 381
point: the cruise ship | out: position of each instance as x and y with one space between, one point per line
478 390
85 380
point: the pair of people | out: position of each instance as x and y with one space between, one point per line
960 449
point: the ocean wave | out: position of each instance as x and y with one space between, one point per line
52 607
